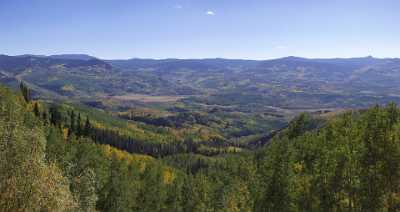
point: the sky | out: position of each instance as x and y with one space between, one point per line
247 29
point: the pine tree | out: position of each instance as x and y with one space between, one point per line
275 174
36 109
153 184
79 126
55 116
86 130
118 194
371 183
175 198
72 122
26 93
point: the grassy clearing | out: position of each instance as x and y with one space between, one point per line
148 98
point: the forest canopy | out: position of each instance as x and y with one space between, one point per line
57 159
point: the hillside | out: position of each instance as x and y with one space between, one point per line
284 82
45 166
238 101
347 162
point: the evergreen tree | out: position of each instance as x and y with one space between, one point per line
79 126
153 184
36 109
87 128
275 173
26 93
118 194
55 116
72 121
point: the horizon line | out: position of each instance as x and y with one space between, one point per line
199 58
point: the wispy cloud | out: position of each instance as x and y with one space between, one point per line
280 47
209 12
178 6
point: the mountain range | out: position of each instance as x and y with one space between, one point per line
284 82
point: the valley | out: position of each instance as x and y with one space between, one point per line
238 101
171 135
199 106
147 98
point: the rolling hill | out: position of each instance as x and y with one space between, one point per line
286 82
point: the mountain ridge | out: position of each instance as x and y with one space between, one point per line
87 56
308 83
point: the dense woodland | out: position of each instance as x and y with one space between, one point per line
55 157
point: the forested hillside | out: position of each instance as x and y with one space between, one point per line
289 82
203 106
53 158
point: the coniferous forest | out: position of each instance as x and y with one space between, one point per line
61 157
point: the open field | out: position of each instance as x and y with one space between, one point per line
148 98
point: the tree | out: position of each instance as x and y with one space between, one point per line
79 126
87 128
26 93
118 194
275 174
55 116
86 190
196 193
175 198
36 109
27 182
153 184
236 197
72 121
371 181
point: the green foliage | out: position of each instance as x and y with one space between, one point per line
26 93
26 181
53 163
352 164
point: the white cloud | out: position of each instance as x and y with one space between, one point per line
178 6
209 12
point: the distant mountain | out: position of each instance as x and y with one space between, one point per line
136 63
73 57
18 63
337 82
361 61
51 76
31 55
221 63
171 64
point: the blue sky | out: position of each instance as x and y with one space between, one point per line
253 29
